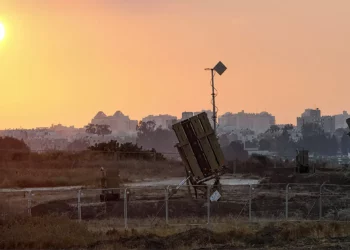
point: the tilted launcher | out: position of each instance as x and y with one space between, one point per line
199 150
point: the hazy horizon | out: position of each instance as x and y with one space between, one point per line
62 62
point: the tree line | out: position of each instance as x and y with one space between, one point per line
313 138
149 136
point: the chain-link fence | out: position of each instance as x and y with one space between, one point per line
181 205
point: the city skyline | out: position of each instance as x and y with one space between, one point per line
63 61
104 118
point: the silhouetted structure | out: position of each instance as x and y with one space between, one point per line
302 161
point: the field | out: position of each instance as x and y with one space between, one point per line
50 232
69 169
156 217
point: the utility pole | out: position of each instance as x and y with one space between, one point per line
213 98
219 68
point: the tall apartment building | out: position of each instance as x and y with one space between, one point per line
119 123
258 122
309 116
328 123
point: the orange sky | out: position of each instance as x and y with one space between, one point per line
62 61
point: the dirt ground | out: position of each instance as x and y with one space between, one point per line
267 237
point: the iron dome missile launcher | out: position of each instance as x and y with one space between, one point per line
200 152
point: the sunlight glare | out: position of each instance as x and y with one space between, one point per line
2 31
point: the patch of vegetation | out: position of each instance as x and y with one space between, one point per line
21 168
47 232
127 151
52 232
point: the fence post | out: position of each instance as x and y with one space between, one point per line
208 200
235 166
287 198
320 200
79 205
125 209
29 203
167 205
250 203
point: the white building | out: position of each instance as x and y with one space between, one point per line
259 123
119 123
186 115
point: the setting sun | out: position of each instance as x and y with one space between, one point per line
2 31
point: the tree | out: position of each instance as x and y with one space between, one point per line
273 129
104 130
317 141
339 132
332 146
288 127
13 144
345 144
13 149
98 129
78 145
252 144
148 136
90 128
223 140
264 144
126 150
235 151
247 131
311 129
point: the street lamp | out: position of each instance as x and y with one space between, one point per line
220 69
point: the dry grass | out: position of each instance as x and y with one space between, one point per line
51 232
69 170
21 177
43 233
234 234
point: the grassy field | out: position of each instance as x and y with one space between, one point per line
64 169
51 232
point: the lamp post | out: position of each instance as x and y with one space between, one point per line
220 69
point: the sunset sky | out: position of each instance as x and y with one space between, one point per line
64 60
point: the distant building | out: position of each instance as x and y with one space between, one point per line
314 113
328 123
340 120
186 115
119 123
162 121
259 123
309 116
